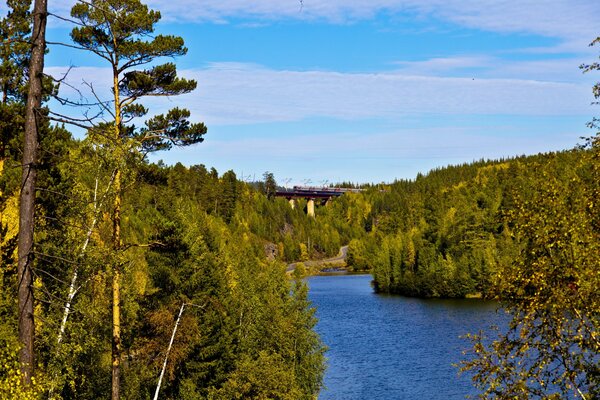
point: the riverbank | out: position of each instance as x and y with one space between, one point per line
336 265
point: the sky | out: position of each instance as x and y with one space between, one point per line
323 91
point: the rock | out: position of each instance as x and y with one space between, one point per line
271 251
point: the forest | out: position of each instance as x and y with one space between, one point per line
449 232
121 251
100 249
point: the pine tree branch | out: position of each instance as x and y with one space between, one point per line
103 104
80 122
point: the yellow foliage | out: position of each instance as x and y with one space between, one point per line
458 186
9 219
261 378
11 387
303 252
299 271
37 310
482 177
140 280
232 278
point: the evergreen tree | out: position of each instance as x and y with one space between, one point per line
116 31
270 184
28 188
15 30
228 195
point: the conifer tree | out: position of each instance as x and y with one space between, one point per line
14 50
117 31
270 184
28 184
15 29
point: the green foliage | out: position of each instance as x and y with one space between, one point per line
270 186
440 235
14 60
551 348
357 256
552 345
15 29
116 30
265 377
11 385
445 234
249 316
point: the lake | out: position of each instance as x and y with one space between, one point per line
393 347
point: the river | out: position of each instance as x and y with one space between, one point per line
393 347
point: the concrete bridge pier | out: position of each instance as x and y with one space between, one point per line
310 208
312 194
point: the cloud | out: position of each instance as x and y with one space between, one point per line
288 122
445 65
570 20
233 93
364 157
487 66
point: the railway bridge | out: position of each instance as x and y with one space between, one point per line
312 195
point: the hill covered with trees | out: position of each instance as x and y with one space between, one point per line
449 232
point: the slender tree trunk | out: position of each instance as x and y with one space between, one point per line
116 281
164 367
27 197
72 288
116 291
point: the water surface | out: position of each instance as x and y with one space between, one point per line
393 347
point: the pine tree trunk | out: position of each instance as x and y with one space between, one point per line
116 292
116 281
27 197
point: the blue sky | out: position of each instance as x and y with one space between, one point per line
371 90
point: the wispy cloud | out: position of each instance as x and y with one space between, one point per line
431 111
356 156
233 97
573 21
238 93
446 65
489 66
233 93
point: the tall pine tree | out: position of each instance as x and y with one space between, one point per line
117 31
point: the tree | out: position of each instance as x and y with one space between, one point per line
15 29
228 195
28 184
552 346
116 31
270 184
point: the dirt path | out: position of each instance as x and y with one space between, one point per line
340 259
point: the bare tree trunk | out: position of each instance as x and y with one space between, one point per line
164 367
27 198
